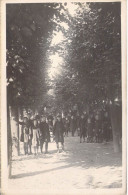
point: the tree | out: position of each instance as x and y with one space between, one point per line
93 60
28 29
89 50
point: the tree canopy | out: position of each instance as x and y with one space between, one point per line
61 56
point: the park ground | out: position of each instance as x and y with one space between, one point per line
81 166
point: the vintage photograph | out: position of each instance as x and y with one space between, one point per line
64 100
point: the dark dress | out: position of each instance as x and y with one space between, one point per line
73 126
98 130
89 128
67 124
106 128
29 124
78 122
24 132
44 132
83 129
59 131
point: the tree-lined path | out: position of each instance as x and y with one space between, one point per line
65 59
81 166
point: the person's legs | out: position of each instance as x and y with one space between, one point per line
78 131
62 146
34 150
25 148
46 147
41 146
57 145
37 148
66 133
98 137
30 146
80 136
72 133
84 137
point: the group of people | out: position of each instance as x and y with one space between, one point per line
36 133
40 130
91 127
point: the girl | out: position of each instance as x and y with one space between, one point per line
59 133
35 140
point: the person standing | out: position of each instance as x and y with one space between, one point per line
58 132
50 123
78 123
25 134
82 128
72 125
106 128
35 140
44 134
30 133
67 125
89 129
98 129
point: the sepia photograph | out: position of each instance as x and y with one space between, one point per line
63 108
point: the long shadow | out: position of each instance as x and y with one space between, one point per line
80 164
95 156
18 176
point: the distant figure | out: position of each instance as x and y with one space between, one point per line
25 134
72 125
89 129
67 126
106 127
78 124
83 129
30 133
44 134
35 140
98 129
50 121
58 132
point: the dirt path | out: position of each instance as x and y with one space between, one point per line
82 166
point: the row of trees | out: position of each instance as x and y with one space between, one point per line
92 55
90 69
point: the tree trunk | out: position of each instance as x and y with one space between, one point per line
20 113
116 121
115 113
14 130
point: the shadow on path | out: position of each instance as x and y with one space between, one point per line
82 155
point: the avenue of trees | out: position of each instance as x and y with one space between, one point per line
89 55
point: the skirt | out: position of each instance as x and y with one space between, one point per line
26 137
35 140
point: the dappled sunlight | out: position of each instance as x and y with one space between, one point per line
60 70
83 163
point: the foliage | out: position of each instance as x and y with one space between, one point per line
90 70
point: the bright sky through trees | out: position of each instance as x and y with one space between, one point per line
57 38
55 66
